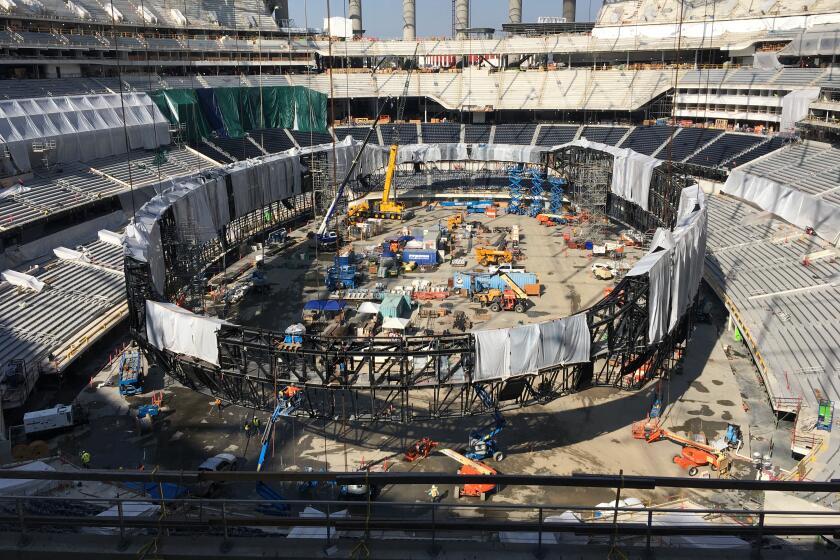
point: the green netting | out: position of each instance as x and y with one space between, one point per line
181 107
228 103
310 110
238 110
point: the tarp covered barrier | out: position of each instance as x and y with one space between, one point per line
79 127
169 327
231 112
501 353
181 107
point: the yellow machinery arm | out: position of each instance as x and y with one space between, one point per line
389 175
520 293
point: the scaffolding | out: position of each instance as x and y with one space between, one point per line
515 188
537 181
556 185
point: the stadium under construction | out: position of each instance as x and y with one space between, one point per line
549 287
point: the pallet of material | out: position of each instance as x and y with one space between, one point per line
440 294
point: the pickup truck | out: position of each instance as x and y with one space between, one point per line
505 267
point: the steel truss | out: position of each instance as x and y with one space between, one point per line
417 377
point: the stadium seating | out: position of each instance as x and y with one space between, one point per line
647 139
687 142
550 135
306 139
407 133
760 150
477 133
724 148
514 133
442 133
357 132
239 148
811 167
610 135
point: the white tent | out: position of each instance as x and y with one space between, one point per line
315 532
397 323
369 308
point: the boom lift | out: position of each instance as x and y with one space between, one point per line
483 442
288 401
469 466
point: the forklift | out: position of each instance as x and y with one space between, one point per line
497 300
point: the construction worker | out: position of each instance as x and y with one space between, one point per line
247 429
218 404
85 457
255 422
433 493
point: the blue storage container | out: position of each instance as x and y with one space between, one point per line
588 245
420 256
345 259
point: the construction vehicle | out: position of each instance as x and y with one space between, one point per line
454 221
483 442
691 459
59 417
603 271
469 466
387 208
420 450
497 300
130 376
288 401
694 454
487 256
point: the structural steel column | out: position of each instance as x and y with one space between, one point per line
515 11
569 10
462 17
354 13
409 20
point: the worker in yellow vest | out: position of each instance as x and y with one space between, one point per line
85 457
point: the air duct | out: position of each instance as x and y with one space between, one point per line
515 11
409 20
462 18
354 12
569 10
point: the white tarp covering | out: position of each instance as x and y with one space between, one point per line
169 327
795 206
506 152
11 192
256 183
795 107
632 171
397 323
22 280
501 353
416 153
110 237
66 254
80 127
766 61
657 266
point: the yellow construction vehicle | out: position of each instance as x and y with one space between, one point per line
496 300
455 221
386 208
487 256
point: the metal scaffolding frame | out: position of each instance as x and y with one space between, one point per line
414 377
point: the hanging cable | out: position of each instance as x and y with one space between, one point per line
122 105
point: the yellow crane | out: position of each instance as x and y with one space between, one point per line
387 208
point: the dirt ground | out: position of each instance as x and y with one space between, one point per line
566 276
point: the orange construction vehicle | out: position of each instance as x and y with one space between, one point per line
693 455
469 466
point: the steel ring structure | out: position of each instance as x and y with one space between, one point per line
635 333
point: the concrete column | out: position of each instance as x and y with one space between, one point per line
462 17
569 10
282 12
409 20
515 11
354 13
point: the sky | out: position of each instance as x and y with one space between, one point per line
383 18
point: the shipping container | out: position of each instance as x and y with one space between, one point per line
420 256
345 258
480 282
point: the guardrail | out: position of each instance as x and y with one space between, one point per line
233 519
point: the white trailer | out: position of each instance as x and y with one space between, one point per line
59 417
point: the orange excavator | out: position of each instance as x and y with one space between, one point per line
469 466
